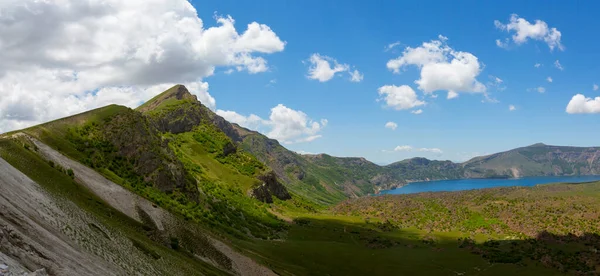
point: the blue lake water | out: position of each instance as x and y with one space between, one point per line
469 184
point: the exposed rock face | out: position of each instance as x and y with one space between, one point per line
185 115
138 141
179 118
269 188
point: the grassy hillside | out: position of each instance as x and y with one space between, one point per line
161 167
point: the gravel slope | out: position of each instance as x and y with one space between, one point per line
29 218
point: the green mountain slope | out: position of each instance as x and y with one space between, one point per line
198 174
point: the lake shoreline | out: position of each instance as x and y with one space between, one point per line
449 185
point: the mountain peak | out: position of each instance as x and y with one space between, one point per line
538 145
177 92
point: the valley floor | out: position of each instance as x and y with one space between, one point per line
543 230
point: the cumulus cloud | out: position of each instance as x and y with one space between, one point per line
324 68
391 125
356 76
537 65
403 148
524 30
417 112
252 121
512 108
284 124
321 69
595 87
581 104
549 79
558 65
441 68
452 95
399 97
64 57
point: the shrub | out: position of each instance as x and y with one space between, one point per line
174 243
71 173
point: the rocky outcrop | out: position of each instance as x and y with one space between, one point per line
177 111
270 187
138 141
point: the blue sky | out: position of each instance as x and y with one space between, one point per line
357 32
253 68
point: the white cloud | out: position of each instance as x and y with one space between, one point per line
432 150
417 112
321 69
391 125
391 46
252 121
64 57
403 148
408 148
284 124
399 97
524 31
502 44
537 65
595 87
494 84
558 65
549 79
442 68
452 95
538 89
512 108
580 104
356 76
